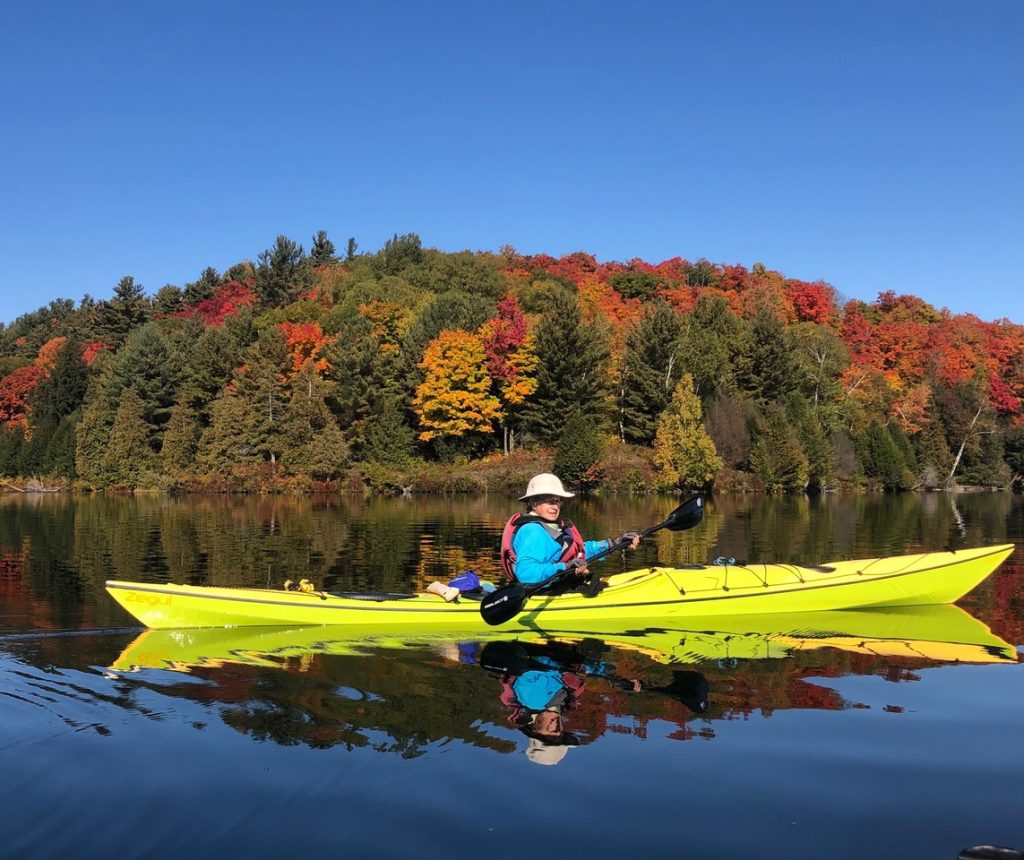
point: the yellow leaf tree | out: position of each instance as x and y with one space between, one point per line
454 398
683 450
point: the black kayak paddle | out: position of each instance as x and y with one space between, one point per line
506 602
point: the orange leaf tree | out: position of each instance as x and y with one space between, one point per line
454 398
305 342
15 389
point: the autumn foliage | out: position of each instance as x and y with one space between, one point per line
789 385
454 398
227 300
306 343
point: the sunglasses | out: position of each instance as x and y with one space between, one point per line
549 500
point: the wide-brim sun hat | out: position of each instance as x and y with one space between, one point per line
546 754
545 484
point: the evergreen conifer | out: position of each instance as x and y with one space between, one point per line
572 376
650 372
578 453
128 458
683 450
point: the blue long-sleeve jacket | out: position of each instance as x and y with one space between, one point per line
537 553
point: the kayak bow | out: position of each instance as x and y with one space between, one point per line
652 594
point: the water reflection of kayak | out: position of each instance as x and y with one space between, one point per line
938 633
652 595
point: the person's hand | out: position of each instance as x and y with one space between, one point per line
632 537
576 565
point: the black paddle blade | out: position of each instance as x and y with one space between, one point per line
503 604
687 515
505 658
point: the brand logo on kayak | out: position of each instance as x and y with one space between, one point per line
149 599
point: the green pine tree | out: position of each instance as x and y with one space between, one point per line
932 455
59 455
129 459
882 459
12 441
398 254
62 391
127 310
91 435
314 444
988 468
777 457
387 437
180 442
572 377
770 369
169 299
322 253
683 450
202 288
261 386
151 368
651 369
1013 447
209 364
712 340
815 442
578 453
281 275
227 441
368 377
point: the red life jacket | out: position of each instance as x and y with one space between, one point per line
570 540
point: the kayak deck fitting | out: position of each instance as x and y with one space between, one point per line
650 594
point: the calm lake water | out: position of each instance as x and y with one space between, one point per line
888 735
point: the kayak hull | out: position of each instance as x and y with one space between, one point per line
649 594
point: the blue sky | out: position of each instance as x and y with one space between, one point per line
876 145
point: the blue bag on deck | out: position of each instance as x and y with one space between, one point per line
467 581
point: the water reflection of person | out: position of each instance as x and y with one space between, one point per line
541 683
536 700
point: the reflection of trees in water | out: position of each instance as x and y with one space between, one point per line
695 546
1000 601
71 544
401 703
828 527
209 540
405 702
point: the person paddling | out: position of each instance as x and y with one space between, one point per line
541 542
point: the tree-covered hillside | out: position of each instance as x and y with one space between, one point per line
302 366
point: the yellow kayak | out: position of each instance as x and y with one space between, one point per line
652 595
939 633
